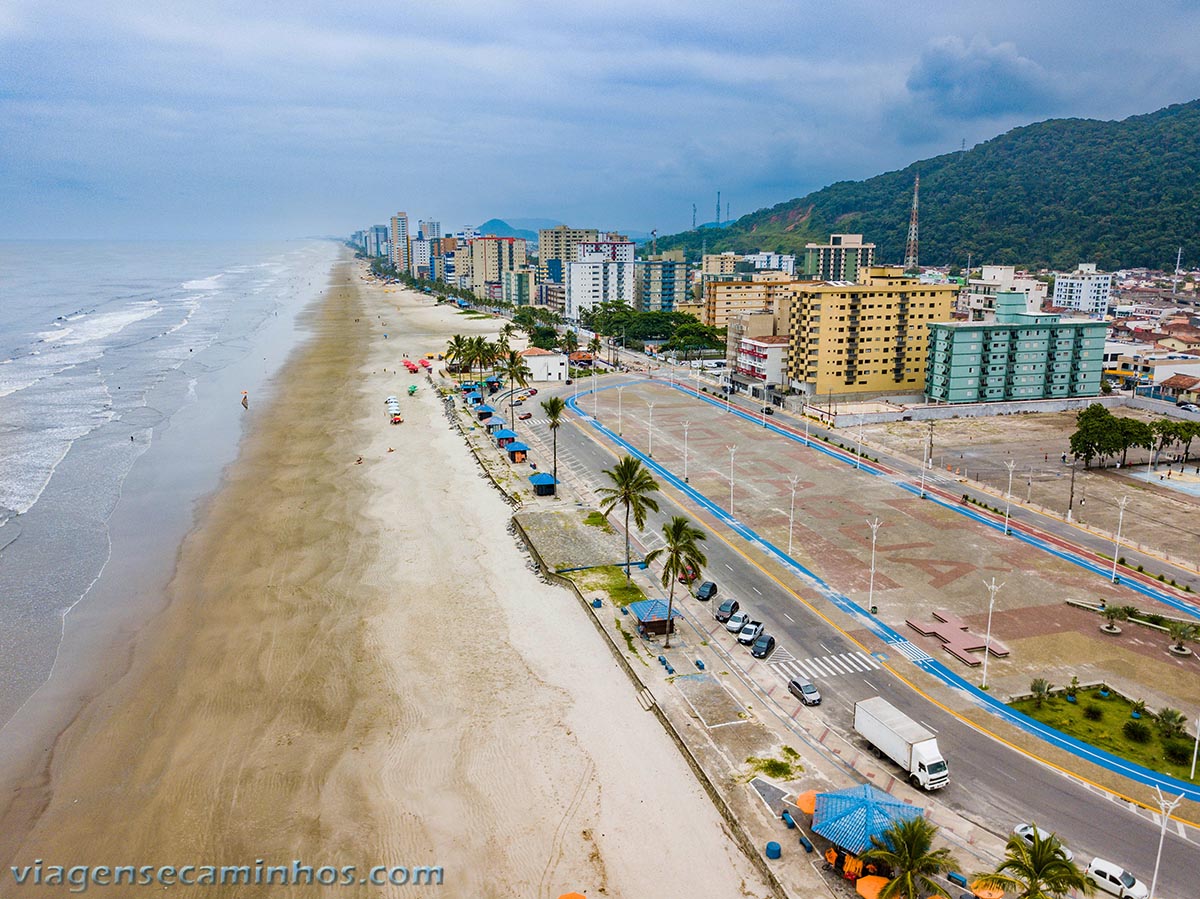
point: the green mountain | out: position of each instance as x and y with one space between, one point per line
1051 194
501 228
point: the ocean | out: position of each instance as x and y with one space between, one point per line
122 370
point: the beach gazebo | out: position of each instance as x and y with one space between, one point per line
517 451
543 484
484 411
474 398
494 424
504 437
651 615
493 383
849 818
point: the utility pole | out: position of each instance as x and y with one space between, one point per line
993 588
1071 500
1011 466
874 526
1117 552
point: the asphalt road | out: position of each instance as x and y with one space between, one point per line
991 784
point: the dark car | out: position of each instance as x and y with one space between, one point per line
763 646
804 690
726 610
568 382
707 591
525 415
768 410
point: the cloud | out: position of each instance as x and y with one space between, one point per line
956 80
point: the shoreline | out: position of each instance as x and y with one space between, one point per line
353 668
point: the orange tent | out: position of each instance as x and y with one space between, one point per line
869 887
983 892
807 801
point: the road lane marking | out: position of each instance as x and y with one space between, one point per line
756 590
789 617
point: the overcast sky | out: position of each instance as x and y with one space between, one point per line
259 119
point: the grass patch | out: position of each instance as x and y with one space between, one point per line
597 520
609 579
1109 731
785 768
633 647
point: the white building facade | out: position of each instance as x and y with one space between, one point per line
545 365
773 261
978 299
763 360
1084 289
596 279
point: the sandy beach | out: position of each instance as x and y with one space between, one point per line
356 667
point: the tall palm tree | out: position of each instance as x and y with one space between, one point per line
681 551
570 342
507 330
1037 870
554 407
456 349
594 346
632 486
906 848
515 372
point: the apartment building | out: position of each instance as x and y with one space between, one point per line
844 258
429 230
615 250
419 249
719 263
773 261
865 338
556 248
519 285
978 298
597 278
1019 356
1085 290
400 257
661 282
759 292
490 258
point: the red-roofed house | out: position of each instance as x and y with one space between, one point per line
1181 387
545 365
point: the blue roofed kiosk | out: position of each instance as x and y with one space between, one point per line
543 484
651 615
518 451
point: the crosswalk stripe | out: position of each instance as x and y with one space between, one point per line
870 661
853 662
816 666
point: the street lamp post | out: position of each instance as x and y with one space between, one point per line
993 588
874 526
1011 465
650 451
1117 552
858 458
804 412
1165 806
620 391
595 393
794 480
732 450
728 379
1071 498
686 424
1196 748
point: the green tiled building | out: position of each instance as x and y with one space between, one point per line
1020 356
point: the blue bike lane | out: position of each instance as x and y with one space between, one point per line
913 653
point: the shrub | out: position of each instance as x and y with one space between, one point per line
1178 751
1121 561
1136 731
1040 688
1093 712
1140 568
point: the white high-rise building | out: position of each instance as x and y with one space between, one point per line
613 250
400 257
1084 289
773 261
597 278
420 256
430 230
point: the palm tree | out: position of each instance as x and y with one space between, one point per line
906 848
1040 688
632 486
507 330
1181 631
554 407
570 342
594 346
1037 870
1171 723
515 372
456 349
680 552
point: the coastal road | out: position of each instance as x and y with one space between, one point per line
992 784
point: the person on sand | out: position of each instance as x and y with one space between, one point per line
359 462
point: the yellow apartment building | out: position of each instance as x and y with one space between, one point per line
725 299
865 338
556 247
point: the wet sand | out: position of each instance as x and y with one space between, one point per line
355 667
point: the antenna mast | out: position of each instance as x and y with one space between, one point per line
693 216
1175 282
718 209
654 242
910 251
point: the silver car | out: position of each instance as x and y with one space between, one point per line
1026 832
804 690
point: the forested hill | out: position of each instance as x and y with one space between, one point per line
1052 194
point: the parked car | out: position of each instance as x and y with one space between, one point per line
568 382
1189 407
1026 832
736 621
768 410
804 690
726 609
688 575
707 591
517 403
1112 878
750 632
533 391
763 646
524 416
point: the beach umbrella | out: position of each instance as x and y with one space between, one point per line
807 801
868 887
849 818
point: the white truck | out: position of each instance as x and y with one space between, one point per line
888 731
